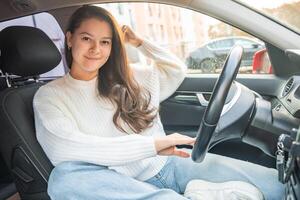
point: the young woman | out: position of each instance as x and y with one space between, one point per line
99 124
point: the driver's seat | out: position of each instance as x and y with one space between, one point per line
26 52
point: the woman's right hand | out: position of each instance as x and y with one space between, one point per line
131 37
166 145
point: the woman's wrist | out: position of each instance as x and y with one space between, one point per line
138 42
160 143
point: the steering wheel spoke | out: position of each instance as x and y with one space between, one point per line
215 106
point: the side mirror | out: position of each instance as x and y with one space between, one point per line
261 63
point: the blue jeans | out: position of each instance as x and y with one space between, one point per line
84 181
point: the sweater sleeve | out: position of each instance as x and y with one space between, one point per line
62 140
169 69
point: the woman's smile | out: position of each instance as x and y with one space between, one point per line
92 58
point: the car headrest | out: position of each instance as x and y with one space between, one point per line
27 51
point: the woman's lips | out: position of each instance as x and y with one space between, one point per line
90 58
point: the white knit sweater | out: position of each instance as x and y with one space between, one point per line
74 124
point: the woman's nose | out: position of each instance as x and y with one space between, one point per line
95 48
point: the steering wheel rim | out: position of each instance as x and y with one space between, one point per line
214 109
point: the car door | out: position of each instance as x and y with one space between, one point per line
222 47
250 48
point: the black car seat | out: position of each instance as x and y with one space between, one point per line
26 52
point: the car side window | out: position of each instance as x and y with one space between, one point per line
49 25
212 45
202 42
223 44
245 43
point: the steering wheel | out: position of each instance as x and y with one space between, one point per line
214 109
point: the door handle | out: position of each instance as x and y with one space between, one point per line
201 99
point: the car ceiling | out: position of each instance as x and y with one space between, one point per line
16 8
228 11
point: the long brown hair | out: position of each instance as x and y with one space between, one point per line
115 78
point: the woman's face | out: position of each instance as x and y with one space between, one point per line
91 45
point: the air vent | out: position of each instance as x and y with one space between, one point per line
288 86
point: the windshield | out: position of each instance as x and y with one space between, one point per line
286 12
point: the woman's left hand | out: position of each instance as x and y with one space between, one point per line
130 37
166 145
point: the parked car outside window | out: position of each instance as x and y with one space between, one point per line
209 58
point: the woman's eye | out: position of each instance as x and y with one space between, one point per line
105 42
85 39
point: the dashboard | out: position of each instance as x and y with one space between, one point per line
290 96
289 104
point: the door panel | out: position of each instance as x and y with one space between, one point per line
183 108
182 112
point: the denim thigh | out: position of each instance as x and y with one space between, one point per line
85 181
